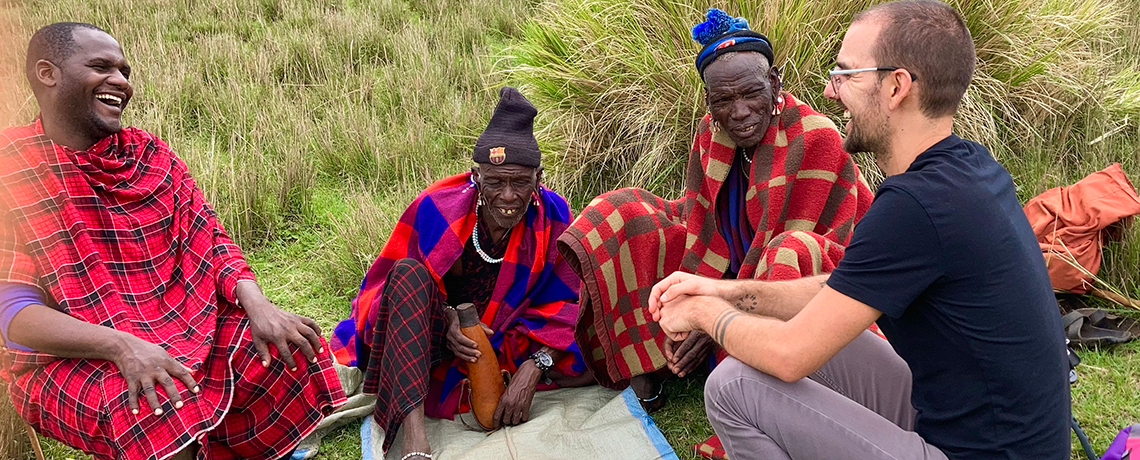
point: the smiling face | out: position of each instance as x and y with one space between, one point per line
506 191
740 91
88 90
867 127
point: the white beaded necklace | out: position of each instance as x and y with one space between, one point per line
475 239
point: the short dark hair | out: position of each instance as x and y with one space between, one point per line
930 39
54 43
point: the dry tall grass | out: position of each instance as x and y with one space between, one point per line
266 100
620 93
1055 95
13 440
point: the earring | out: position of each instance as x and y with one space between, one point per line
778 107
714 125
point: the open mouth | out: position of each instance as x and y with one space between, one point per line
509 212
110 99
744 131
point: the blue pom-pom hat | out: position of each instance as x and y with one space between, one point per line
721 34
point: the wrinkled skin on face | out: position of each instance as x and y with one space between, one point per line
860 94
740 92
85 93
507 191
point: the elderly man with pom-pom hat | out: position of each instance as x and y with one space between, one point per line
770 194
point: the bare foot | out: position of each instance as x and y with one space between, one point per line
415 435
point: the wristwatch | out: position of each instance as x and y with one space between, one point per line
543 360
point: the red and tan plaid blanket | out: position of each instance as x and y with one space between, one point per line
804 198
120 235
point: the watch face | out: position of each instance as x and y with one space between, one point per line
543 359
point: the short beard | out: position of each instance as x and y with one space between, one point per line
870 133
873 138
100 128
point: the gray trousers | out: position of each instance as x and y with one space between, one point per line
857 406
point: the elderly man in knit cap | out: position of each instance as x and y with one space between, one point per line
769 194
484 237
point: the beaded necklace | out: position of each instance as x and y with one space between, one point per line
475 239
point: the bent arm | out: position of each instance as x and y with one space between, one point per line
788 350
50 331
777 299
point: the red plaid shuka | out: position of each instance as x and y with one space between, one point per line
534 301
119 235
804 198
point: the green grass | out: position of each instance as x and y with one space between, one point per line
310 124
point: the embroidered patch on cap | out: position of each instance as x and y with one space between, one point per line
498 155
726 44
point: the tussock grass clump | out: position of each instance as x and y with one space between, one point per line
620 95
1055 95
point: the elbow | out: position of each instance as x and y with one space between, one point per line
789 366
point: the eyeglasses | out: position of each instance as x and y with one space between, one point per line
836 74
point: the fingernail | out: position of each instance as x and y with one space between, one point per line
322 350
313 360
292 369
265 363
158 412
196 389
135 411
178 405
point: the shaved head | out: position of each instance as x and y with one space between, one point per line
53 43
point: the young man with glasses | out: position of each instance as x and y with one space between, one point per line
944 260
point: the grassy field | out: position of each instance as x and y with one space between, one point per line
310 124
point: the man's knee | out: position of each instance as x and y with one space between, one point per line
722 387
796 253
795 239
409 268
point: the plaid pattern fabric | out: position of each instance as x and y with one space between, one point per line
410 338
627 240
534 301
119 235
712 448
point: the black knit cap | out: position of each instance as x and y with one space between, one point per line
509 137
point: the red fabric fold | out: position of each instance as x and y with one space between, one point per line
1071 222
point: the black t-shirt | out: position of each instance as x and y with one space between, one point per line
947 254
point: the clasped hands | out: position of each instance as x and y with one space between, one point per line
514 405
675 303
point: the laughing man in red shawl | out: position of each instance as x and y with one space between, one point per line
118 285
486 237
769 193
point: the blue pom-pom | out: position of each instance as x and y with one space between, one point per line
716 23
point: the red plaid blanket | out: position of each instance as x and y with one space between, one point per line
120 235
627 240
